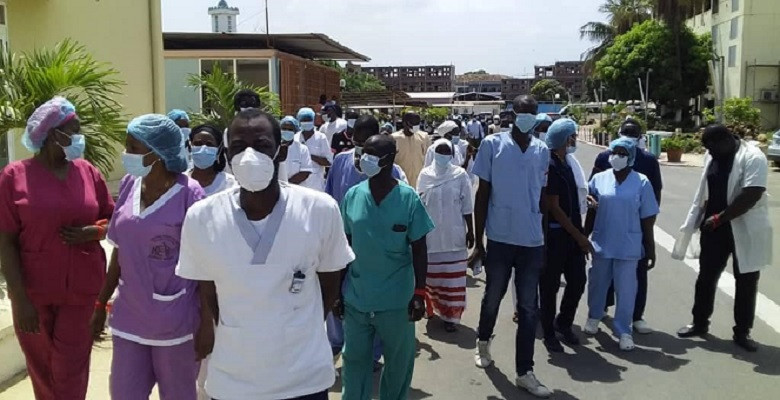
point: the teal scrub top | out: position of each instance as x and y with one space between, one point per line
382 276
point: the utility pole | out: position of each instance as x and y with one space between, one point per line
267 32
647 92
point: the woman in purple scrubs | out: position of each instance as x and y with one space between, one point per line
155 317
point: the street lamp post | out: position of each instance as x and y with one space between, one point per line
647 92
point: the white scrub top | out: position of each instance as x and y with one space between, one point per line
333 127
318 145
223 181
270 343
298 159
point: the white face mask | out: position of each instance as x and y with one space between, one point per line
642 144
415 128
351 123
325 118
253 169
618 162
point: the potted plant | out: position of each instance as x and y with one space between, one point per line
673 146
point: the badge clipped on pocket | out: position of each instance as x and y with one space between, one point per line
297 282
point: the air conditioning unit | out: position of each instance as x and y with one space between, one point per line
770 95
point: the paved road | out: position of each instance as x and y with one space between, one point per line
663 367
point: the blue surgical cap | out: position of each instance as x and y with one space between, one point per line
177 114
161 135
291 120
559 132
626 143
388 125
542 117
305 112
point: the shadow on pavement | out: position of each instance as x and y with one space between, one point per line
414 394
509 391
766 359
422 346
641 355
586 365
464 337
472 282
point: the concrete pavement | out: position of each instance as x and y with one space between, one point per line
662 367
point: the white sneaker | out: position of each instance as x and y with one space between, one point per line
532 385
642 327
626 342
482 358
591 326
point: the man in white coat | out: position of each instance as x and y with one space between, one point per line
267 294
730 209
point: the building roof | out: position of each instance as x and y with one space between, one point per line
480 78
430 95
476 96
313 46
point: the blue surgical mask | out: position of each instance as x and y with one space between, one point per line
288 136
442 160
204 157
455 139
369 164
307 126
75 150
134 164
571 149
525 122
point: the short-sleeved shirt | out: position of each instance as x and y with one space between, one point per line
298 160
617 231
645 163
35 204
343 175
318 145
718 184
517 179
341 142
260 318
382 276
330 129
561 183
154 306
411 153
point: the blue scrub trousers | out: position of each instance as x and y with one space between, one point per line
622 274
501 260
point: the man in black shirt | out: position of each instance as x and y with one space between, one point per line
567 245
342 141
723 217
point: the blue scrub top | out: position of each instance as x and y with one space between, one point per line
617 232
645 163
517 179
343 175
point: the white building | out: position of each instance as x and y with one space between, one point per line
747 51
223 18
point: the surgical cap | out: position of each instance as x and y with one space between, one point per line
305 112
448 126
51 114
559 132
291 120
626 143
161 135
542 117
388 125
177 114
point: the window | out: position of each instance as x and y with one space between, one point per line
734 5
715 33
2 14
732 56
734 28
715 6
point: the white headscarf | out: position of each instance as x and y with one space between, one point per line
433 176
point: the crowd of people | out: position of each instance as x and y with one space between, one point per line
247 261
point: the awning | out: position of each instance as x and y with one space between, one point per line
313 46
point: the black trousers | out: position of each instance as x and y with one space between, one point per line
716 247
563 257
315 396
641 291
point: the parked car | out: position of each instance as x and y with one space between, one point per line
773 152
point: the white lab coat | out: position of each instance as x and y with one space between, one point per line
752 230
270 343
318 145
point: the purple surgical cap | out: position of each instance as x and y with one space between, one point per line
55 112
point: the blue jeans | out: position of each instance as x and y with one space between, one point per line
527 263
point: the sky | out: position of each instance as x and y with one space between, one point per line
500 36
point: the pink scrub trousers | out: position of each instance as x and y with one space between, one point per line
58 356
136 368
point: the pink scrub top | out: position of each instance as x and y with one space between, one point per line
35 204
154 305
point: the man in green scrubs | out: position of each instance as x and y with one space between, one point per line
386 224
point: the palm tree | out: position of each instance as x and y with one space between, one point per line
219 88
30 79
621 16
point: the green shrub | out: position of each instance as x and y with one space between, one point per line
740 116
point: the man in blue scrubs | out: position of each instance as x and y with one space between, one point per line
512 170
647 165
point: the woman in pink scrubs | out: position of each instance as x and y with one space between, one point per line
52 212
156 315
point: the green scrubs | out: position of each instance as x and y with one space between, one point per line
379 286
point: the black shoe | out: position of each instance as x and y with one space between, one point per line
568 337
450 327
746 342
553 345
692 330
